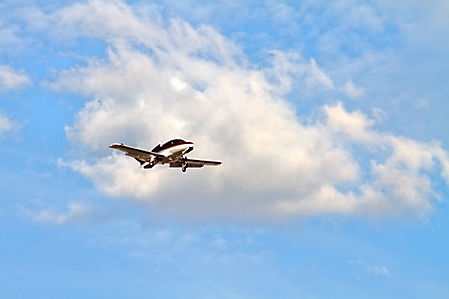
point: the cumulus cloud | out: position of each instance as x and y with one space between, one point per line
162 80
11 79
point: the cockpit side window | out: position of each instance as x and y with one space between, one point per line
157 148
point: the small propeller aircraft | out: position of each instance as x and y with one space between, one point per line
171 152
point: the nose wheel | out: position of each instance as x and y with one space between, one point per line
148 165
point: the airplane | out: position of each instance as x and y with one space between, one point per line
171 152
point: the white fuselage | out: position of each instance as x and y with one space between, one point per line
175 152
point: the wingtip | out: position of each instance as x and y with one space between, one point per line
114 145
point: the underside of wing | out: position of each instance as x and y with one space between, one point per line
194 163
139 154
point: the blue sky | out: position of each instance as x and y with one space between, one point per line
330 119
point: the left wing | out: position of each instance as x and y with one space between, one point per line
140 155
194 163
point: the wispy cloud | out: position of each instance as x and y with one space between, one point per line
11 79
6 124
368 269
76 212
352 90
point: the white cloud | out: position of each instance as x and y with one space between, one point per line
290 69
372 270
163 81
6 124
355 125
378 114
11 79
76 212
318 77
352 90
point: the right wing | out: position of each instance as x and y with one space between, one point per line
194 163
140 155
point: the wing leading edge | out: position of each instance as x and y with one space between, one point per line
140 155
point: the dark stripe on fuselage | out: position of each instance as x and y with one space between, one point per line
168 144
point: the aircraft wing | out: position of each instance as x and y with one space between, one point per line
194 163
139 154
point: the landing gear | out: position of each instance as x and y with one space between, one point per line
148 165
184 167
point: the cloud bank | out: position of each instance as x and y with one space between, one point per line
164 79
